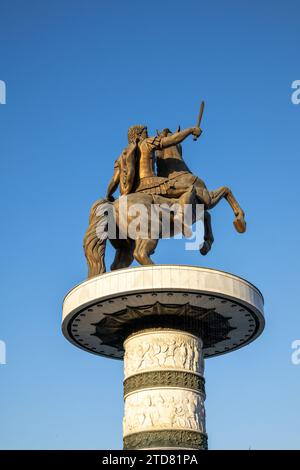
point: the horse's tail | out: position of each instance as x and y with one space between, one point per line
93 245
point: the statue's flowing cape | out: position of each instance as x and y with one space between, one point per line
127 163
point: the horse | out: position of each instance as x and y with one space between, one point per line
141 246
183 188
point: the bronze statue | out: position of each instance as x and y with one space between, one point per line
134 170
134 174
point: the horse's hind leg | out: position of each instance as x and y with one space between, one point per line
143 250
124 256
224 192
208 235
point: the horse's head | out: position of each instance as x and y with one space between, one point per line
166 131
169 159
175 151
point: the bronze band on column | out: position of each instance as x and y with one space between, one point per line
164 378
166 438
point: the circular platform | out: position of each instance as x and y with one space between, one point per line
225 310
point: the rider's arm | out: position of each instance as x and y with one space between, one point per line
178 137
114 183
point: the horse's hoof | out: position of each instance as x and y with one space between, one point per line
240 224
205 248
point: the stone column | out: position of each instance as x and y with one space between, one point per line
164 320
164 390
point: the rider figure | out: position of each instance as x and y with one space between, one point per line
134 169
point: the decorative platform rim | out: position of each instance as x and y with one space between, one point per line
219 287
154 266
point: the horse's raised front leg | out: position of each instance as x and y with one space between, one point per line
208 235
225 192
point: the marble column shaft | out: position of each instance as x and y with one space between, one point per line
164 391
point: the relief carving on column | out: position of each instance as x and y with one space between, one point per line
164 409
163 350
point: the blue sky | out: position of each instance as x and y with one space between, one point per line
78 74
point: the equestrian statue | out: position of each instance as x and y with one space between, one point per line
149 172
